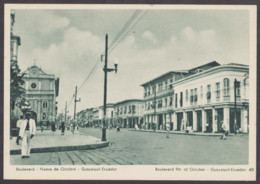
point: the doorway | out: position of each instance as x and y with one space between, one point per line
199 121
209 121
220 117
179 119
232 119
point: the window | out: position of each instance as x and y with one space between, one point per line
226 86
154 89
160 87
166 84
170 101
187 95
218 90
176 100
170 85
133 108
181 99
201 92
145 92
148 91
195 97
129 107
191 96
208 93
45 104
237 88
33 85
165 100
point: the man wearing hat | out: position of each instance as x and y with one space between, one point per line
27 131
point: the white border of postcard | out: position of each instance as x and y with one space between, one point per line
136 172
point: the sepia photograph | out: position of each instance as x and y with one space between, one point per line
130 92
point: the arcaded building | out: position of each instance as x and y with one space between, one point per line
199 99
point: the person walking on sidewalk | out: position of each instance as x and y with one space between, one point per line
53 128
168 130
27 131
18 125
224 131
62 128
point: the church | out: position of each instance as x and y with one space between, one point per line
41 92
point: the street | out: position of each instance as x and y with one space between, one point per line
147 148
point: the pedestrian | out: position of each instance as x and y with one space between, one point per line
27 131
117 129
72 128
154 127
168 130
62 128
136 127
224 131
18 125
53 128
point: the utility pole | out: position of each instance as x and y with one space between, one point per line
75 102
105 89
235 96
105 93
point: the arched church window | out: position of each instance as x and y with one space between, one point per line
45 104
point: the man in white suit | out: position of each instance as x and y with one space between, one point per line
27 131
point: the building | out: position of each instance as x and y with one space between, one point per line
128 113
41 92
199 99
109 115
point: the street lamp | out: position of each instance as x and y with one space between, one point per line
105 88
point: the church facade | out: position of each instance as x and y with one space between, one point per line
41 92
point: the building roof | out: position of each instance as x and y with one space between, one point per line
129 100
165 74
228 67
191 71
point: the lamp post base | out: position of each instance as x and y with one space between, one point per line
103 134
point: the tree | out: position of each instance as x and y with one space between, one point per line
16 82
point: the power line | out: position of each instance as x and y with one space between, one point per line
129 22
115 45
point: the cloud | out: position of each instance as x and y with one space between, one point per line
150 36
42 22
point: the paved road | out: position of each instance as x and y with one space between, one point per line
144 148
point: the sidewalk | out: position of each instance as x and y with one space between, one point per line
183 132
46 141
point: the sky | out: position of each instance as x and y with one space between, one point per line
68 44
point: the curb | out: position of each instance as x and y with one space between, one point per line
63 148
184 133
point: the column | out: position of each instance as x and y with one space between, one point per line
174 121
226 117
204 120
214 120
164 121
244 119
185 121
194 114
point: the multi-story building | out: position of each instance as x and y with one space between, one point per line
199 99
128 113
41 92
109 114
